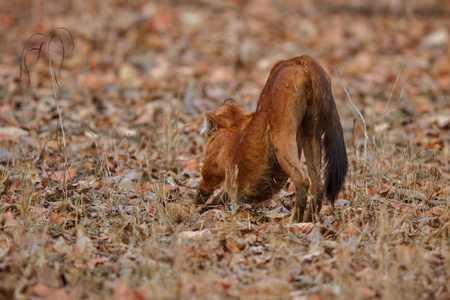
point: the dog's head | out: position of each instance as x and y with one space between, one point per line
228 116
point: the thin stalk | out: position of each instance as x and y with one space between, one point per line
360 115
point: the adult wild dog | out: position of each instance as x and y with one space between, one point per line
295 111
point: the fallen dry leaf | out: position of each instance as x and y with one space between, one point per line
268 288
195 235
309 257
179 211
122 291
84 246
192 165
437 211
61 246
13 132
411 194
97 260
367 273
367 292
230 243
211 219
350 228
5 244
384 189
301 227
60 176
45 292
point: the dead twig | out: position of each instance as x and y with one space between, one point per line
360 115
45 44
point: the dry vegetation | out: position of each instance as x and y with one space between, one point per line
103 210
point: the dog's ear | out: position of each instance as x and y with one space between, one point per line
230 100
211 123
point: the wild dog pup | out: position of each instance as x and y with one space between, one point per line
259 151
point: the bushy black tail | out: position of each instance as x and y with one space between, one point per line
336 162
335 157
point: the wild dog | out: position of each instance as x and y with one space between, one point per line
295 111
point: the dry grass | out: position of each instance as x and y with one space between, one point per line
106 240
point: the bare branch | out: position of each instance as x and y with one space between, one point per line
25 46
39 50
395 83
360 115
47 42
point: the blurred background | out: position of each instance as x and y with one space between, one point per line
130 57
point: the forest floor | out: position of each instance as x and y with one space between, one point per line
105 209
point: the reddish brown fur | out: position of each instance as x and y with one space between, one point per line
295 109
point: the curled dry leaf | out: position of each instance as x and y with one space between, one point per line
211 218
329 245
301 227
428 230
180 212
122 291
384 189
13 132
38 290
245 215
11 224
59 175
398 204
268 204
372 190
230 243
192 165
445 218
367 292
61 246
195 235
366 273
267 288
96 260
411 194
157 187
350 228
309 257
437 211
5 244
78 263
443 121
127 185
6 215
43 291
277 216
84 246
